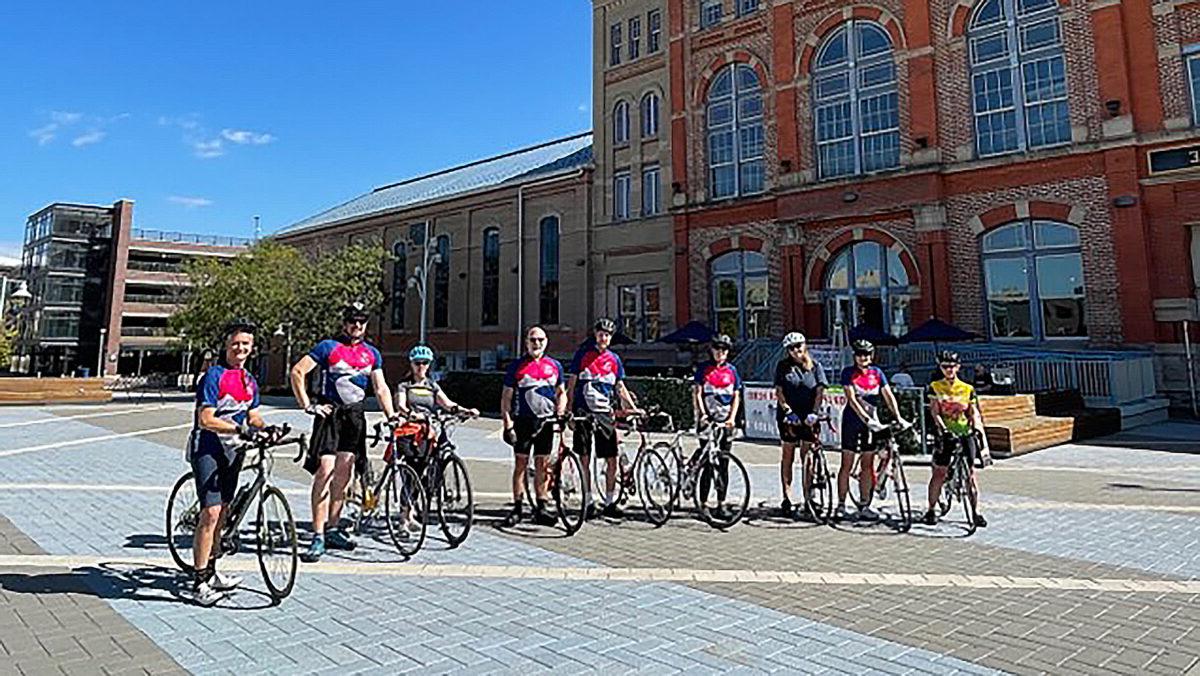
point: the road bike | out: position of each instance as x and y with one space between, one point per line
445 478
404 506
273 530
714 480
636 475
564 478
889 474
958 485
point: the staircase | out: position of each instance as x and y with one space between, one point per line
1014 427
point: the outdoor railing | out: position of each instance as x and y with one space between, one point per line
151 298
189 238
149 266
145 332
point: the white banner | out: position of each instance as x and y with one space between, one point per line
760 413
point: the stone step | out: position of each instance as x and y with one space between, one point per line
998 409
1016 437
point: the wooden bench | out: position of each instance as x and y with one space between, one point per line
18 391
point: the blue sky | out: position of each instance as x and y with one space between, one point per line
206 114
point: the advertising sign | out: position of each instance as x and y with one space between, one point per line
760 413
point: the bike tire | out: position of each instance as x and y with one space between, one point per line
676 469
819 500
967 493
455 500
741 501
903 498
353 509
946 500
277 543
854 493
571 492
655 486
183 512
530 478
404 493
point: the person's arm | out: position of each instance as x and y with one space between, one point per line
299 377
781 403
698 405
254 417
382 393
856 405
626 397
572 380
444 401
401 403
506 396
934 412
893 404
733 408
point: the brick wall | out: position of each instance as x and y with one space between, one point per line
708 243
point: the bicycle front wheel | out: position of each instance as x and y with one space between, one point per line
571 493
903 499
455 500
355 508
723 493
183 514
819 497
278 552
966 493
406 508
655 488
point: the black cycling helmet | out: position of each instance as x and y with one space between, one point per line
605 324
239 325
948 357
722 340
861 346
355 310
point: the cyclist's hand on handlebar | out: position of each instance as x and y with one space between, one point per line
903 424
319 410
470 412
510 436
874 425
728 424
811 419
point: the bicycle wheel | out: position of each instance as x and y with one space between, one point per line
819 499
571 493
855 472
655 487
966 493
278 553
455 500
723 495
530 481
900 488
354 508
946 499
406 510
183 513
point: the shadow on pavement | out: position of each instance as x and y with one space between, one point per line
1174 436
1153 489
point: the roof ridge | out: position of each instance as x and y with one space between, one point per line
475 163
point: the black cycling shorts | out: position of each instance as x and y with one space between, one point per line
216 473
943 452
529 438
600 429
794 434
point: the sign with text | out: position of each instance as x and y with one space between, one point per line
760 413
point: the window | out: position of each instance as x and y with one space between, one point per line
867 284
650 115
1193 71
441 283
710 13
635 37
614 45
654 31
735 133
639 312
621 123
856 109
64 325
745 7
621 181
68 290
399 284
491 278
1033 274
1018 76
651 191
740 295
549 270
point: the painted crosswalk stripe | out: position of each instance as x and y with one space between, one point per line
91 440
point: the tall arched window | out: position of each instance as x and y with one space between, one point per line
650 115
1018 76
548 277
735 133
741 295
621 123
490 315
399 283
866 283
1033 274
441 283
856 105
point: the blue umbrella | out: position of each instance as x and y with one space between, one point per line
937 331
617 339
868 332
691 333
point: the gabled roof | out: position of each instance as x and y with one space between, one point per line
513 167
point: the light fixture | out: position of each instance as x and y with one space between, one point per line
22 292
1113 106
1124 201
849 196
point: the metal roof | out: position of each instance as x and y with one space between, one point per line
513 167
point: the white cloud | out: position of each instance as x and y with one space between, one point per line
45 134
65 118
244 137
91 137
583 108
185 122
208 149
190 202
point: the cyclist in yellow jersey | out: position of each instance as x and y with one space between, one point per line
955 408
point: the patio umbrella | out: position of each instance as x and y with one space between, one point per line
692 333
617 339
868 332
937 331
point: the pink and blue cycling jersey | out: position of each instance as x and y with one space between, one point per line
596 376
534 383
718 384
233 393
348 368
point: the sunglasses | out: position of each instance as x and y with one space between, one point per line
796 348
864 354
357 320
420 363
535 340
949 366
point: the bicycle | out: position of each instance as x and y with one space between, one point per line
405 503
819 496
446 479
274 530
564 478
958 484
637 476
694 478
888 457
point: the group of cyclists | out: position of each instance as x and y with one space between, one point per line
589 397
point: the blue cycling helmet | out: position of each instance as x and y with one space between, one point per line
420 353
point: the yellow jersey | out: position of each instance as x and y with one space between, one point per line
954 401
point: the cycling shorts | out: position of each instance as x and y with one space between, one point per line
596 428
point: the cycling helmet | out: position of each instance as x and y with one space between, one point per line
239 325
863 347
355 310
605 324
420 353
722 340
793 339
948 357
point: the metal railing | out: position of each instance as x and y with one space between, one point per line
145 332
190 238
150 266
151 298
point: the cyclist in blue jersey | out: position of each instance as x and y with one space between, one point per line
350 366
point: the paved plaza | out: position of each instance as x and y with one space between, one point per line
1091 564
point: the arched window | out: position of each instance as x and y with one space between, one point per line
621 123
441 283
735 133
856 105
490 315
1018 76
1033 274
650 115
866 283
548 277
399 283
741 295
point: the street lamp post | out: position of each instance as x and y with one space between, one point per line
100 353
285 331
420 277
22 294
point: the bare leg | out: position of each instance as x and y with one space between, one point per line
520 466
785 469
541 477
204 540
866 478
343 468
935 484
610 480
844 476
320 494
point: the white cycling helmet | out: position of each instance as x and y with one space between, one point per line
793 339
